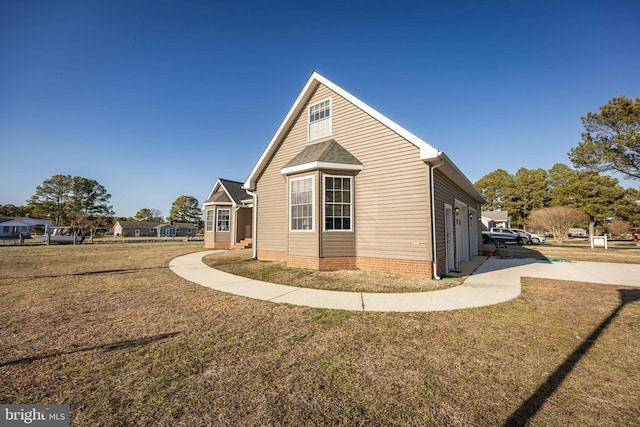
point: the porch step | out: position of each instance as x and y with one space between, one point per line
243 244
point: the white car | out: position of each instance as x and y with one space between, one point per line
536 239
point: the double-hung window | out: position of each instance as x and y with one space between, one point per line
320 120
209 220
301 197
338 203
223 219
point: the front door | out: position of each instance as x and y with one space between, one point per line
462 232
137 233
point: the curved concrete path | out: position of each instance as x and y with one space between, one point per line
495 281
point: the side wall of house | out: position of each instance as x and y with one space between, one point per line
218 239
392 214
447 191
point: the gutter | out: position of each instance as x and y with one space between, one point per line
254 227
433 215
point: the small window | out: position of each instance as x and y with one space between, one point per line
301 197
320 120
338 203
209 220
223 219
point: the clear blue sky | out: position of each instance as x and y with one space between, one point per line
155 99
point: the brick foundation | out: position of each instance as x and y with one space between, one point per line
217 245
343 263
407 267
271 255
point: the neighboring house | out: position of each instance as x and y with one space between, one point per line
13 228
154 229
341 186
573 232
228 216
491 219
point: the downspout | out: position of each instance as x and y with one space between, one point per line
254 226
433 221
234 234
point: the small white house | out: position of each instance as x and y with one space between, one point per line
13 228
491 219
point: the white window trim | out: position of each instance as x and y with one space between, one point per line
313 204
330 119
206 221
324 203
217 219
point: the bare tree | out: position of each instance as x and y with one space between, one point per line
557 220
619 227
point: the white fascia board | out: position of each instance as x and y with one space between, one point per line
451 170
426 149
320 165
215 187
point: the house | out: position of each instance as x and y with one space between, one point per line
341 186
491 219
154 229
13 228
228 214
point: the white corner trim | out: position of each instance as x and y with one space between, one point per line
320 165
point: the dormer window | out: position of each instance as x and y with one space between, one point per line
320 119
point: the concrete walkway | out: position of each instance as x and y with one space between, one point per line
495 281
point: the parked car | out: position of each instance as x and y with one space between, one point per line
504 235
533 238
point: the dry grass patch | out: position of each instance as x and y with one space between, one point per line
240 263
113 332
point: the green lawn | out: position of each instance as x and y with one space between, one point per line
111 331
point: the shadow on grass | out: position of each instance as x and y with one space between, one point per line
530 407
120 345
88 273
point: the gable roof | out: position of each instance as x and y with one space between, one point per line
138 224
233 192
153 224
327 154
428 153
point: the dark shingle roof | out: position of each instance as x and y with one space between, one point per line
327 151
234 189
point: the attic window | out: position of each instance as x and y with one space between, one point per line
320 119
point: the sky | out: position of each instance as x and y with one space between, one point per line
155 99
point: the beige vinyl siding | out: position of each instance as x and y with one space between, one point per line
392 217
446 191
391 199
338 244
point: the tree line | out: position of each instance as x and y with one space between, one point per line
610 143
84 204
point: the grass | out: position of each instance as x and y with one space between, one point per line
110 330
240 263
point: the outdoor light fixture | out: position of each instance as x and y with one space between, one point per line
470 217
457 210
